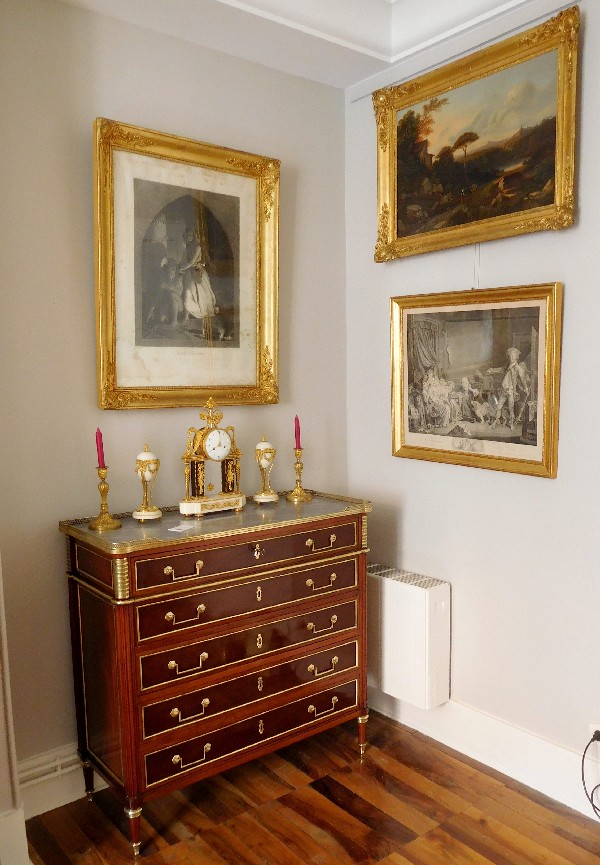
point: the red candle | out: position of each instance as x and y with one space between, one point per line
100 449
297 432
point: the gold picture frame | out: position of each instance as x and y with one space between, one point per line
517 98
476 377
186 238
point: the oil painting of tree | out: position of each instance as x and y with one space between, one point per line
482 148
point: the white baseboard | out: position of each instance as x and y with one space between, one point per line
51 780
13 841
542 765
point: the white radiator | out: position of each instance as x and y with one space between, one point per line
408 636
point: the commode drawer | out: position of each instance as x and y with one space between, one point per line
238 557
194 707
196 753
93 567
158 668
213 605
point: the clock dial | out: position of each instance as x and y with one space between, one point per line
217 444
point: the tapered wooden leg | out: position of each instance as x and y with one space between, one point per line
88 778
134 815
362 732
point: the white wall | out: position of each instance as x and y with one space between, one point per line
522 553
60 68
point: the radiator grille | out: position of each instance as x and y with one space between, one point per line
408 577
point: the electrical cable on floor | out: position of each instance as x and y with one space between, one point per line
590 796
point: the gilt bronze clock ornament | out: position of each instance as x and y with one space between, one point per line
265 457
147 465
212 467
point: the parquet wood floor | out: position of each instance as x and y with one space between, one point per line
409 801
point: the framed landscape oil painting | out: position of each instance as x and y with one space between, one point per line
186 271
476 377
482 148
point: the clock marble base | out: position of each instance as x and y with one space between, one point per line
211 504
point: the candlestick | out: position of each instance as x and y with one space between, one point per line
297 433
299 494
100 449
104 521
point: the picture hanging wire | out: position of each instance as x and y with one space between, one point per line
476 266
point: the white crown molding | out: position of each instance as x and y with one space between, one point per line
363 26
425 28
338 42
508 18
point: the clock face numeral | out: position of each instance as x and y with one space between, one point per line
217 444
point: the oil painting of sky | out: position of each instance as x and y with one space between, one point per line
497 106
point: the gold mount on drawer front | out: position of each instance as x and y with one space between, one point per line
169 571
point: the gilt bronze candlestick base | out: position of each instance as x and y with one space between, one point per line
299 494
104 522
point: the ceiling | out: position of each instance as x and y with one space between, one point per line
336 42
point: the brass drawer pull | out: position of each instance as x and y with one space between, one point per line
311 626
261 726
170 617
257 551
173 665
259 641
310 543
313 669
177 759
311 584
260 684
170 572
176 713
259 594
312 708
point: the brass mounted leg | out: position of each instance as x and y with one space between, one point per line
134 815
362 732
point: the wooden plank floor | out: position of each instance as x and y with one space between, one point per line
409 801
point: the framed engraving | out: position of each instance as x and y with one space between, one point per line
482 148
186 271
476 377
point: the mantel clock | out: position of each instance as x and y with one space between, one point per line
212 467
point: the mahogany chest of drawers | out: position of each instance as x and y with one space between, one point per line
201 643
